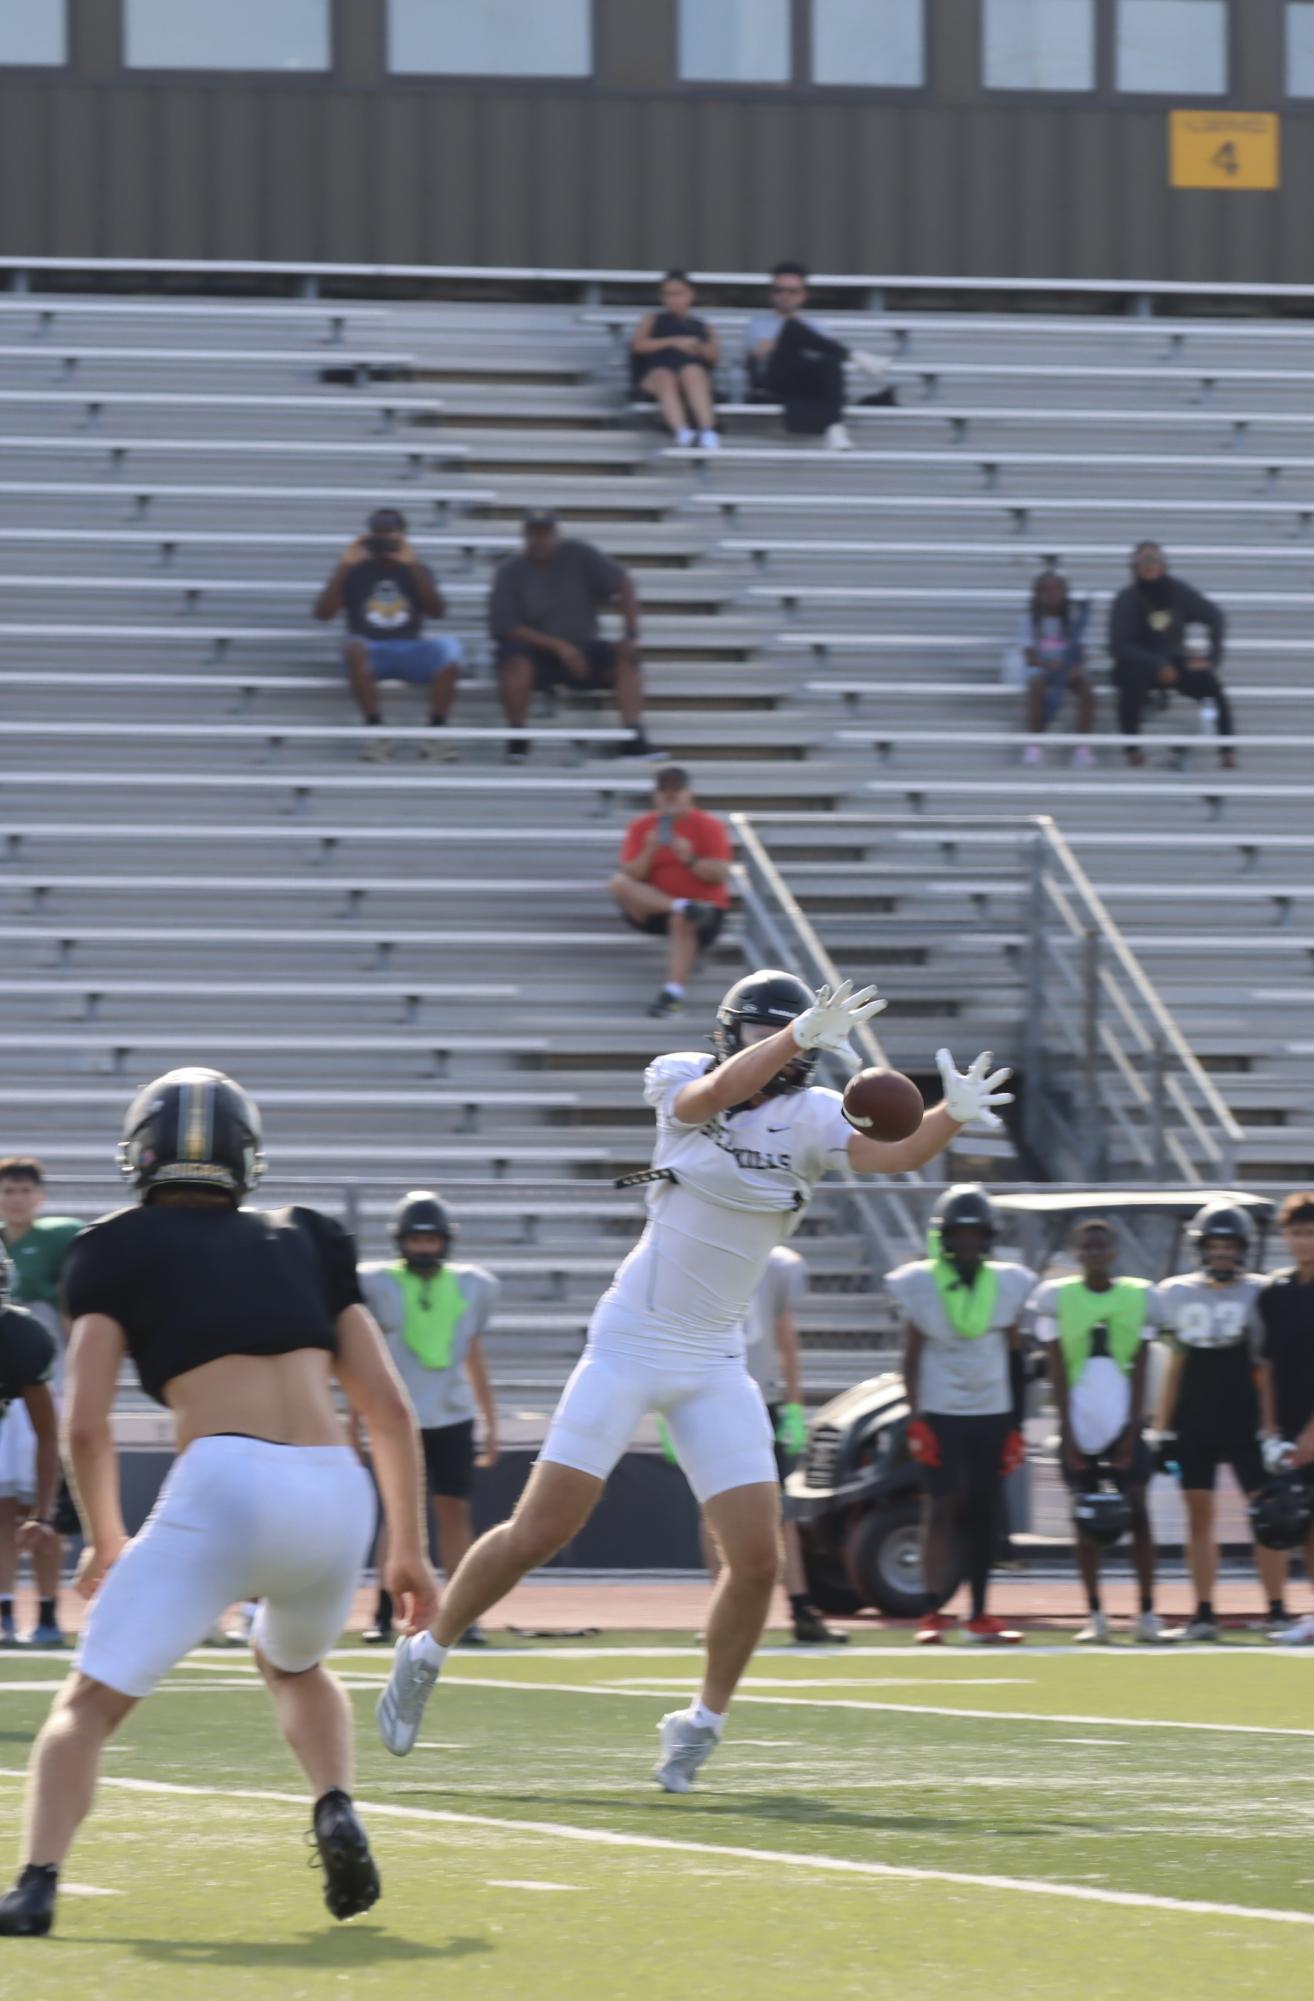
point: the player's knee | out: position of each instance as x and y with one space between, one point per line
755 1563
93 1704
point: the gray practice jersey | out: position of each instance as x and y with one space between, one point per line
781 1289
961 1376
1198 1313
440 1396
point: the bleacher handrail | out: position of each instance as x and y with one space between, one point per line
1184 1126
1141 293
775 923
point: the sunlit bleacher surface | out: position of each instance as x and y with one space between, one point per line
414 965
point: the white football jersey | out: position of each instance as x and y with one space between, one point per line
737 1187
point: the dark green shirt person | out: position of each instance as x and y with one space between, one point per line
37 1244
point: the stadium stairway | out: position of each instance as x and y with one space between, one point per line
414 962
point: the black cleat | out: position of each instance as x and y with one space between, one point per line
811 1630
351 1881
28 1911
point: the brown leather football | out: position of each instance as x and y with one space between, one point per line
883 1104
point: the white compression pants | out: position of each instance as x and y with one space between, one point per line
290 1525
712 1407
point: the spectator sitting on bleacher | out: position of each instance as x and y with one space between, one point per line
1148 640
673 879
387 593
792 360
1053 654
672 355
544 618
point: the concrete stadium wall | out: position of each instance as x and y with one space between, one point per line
631 168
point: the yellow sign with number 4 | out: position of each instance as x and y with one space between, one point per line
1224 149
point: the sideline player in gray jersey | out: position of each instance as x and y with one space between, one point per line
962 1368
1209 1398
434 1315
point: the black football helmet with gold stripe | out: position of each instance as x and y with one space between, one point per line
192 1128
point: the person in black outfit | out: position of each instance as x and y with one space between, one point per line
672 355
387 593
27 1362
1286 1371
240 1321
793 361
1147 638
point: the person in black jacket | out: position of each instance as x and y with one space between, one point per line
1148 640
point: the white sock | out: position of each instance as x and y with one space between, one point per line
681 903
705 1718
425 1649
675 987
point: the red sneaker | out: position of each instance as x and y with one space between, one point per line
988 1632
933 1628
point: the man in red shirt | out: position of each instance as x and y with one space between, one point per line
673 880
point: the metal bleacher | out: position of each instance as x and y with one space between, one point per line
414 962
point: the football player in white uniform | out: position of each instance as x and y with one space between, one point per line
743 1137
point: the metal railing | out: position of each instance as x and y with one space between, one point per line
870 291
777 932
1110 1087
1112 1083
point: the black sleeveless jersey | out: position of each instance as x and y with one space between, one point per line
189 1286
27 1354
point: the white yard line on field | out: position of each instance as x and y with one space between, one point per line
899 1708
777 1858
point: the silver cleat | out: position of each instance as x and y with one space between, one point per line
686 1747
400 1709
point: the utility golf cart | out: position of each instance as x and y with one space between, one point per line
856 1496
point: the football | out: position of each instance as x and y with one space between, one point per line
883 1104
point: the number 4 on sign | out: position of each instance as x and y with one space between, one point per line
1225 158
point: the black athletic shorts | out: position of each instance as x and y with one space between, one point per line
710 919
1201 1452
1097 1466
549 672
449 1456
971 1449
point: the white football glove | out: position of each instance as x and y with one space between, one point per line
970 1096
832 1018
1277 1454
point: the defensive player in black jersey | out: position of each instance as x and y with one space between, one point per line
239 1321
27 1362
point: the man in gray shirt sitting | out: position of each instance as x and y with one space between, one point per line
544 620
434 1315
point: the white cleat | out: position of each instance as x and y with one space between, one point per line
1095 1632
400 1709
1300 1633
686 1747
1148 1630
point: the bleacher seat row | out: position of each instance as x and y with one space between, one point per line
194 862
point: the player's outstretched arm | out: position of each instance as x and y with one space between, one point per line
375 1390
827 1025
970 1098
